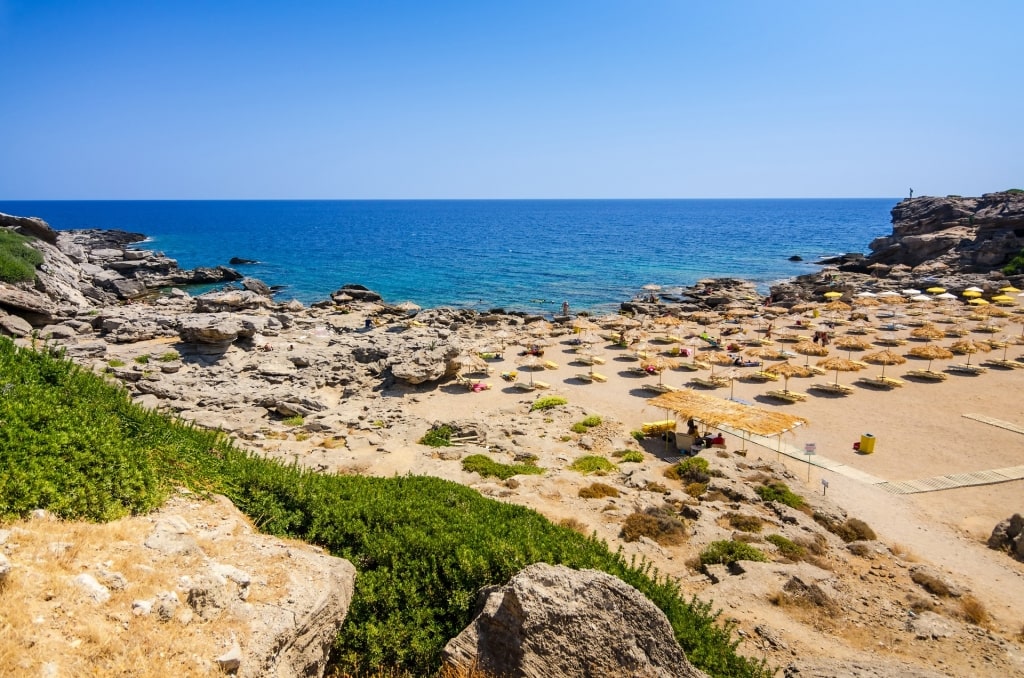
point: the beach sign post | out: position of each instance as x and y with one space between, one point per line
809 450
824 486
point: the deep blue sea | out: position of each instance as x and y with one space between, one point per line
516 254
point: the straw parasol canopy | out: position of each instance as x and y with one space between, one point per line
809 348
668 321
839 365
787 370
866 301
471 363
582 324
851 343
837 306
804 307
719 358
718 411
969 347
931 352
883 358
927 332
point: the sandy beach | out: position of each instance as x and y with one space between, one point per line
922 430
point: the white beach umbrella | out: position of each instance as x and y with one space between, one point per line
911 292
866 295
946 296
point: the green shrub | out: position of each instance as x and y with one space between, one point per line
591 421
297 420
578 427
638 436
547 402
115 362
786 548
780 493
632 456
598 491
438 436
78 446
689 470
169 357
850 530
695 489
592 464
18 259
1015 265
488 468
661 526
142 359
744 523
728 552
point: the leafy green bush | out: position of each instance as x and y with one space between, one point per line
169 357
786 548
850 530
728 552
591 421
438 436
115 362
780 493
297 420
578 427
632 456
598 491
77 445
638 436
689 470
592 464
1015 265
142 359
547 402
488 468
18 260
695 489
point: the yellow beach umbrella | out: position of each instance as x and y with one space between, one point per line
935 290
1003 298
1009 289
978 301
971 293
833 295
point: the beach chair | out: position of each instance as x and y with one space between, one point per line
550 365
761 376
542 385
662 388
967 369
926 375
711 382
886 383
525 385
837 389
1004 364
598 377
788 396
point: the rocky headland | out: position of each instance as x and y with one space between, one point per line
355 371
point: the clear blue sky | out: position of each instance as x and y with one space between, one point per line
142 99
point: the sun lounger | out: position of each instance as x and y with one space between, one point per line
926 375
788 396
525 386
543 385
761 375
880 382
711 382
967 369
550 365
1004 364
839 389
691 367
652 427
661 388
598 377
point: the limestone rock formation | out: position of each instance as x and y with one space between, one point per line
1008 536
973 234
555 621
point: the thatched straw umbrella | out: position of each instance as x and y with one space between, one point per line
931 352
852 343
837 307
969 347
718 359
471 363
883 358
929 332
809 348
787 370
839 365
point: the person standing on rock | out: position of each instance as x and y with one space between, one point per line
565 308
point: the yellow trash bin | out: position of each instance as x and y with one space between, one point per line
867 443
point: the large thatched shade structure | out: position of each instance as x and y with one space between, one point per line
718 412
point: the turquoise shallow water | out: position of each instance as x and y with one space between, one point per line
515 254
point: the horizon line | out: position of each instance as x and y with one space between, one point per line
868 197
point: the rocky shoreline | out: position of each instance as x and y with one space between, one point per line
349 369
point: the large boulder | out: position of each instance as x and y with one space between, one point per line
554 621
1008 536
33 227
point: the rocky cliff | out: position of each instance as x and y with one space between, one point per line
936 235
